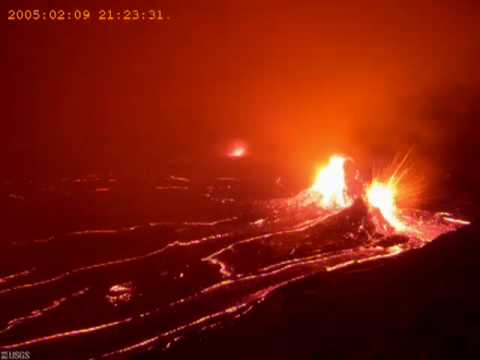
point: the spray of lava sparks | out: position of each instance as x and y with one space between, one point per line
330 184
382 196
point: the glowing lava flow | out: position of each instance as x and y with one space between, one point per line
330 184
382 196
205 273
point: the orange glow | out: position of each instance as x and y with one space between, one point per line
382 196
330 184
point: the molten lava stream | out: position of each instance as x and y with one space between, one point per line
227 266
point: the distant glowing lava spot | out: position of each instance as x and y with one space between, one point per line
330 184
238 151
382 196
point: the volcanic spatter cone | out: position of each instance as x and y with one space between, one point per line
349 208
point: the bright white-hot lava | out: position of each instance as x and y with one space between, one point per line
382 196
330 184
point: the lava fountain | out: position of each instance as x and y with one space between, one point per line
330 193
330 184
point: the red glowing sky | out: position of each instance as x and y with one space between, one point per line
296 80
